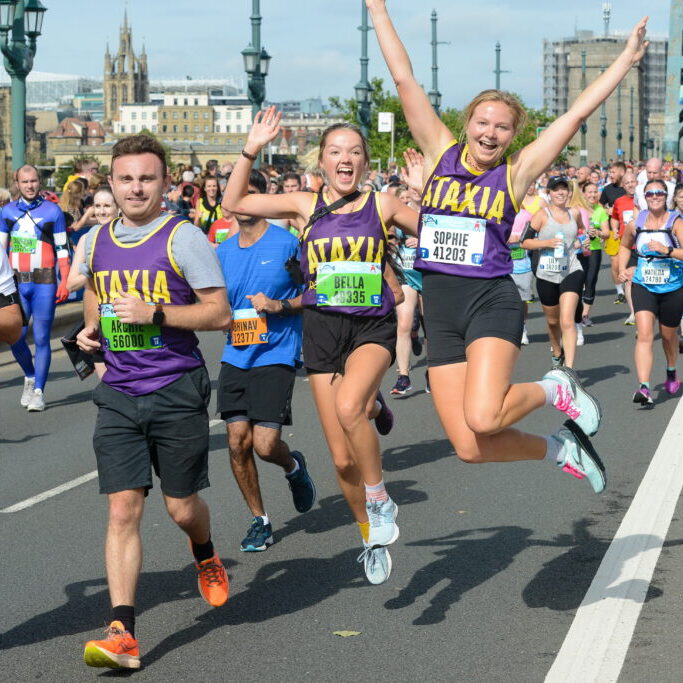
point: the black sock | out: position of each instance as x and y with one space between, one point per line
203 551
671 374
126 615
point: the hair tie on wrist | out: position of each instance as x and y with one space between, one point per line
251 157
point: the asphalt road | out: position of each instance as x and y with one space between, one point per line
490 568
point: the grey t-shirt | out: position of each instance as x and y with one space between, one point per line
549 268
192 251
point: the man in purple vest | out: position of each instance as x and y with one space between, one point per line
153 279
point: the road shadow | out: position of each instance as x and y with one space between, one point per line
412 455
563 582
87 605
600 337
24 439
465 563
590 376
333 512
278 589
71 399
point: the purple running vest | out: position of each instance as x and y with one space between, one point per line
357 236
466 218
146 267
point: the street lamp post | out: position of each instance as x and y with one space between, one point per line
583 154
603 130
620 151
498 71
434 94
363 88
631 137
256 62
24 18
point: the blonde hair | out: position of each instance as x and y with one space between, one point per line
71 199
512 101
578 199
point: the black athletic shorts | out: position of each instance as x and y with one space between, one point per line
549 292
167 430
458 310
330 338
667 307
260 395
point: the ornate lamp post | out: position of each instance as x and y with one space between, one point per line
363 88
24 18
256 62
584 126
603 130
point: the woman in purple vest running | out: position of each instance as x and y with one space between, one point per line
473 313
349 338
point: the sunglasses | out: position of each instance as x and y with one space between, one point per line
655 193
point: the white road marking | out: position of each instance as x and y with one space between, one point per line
29 502
45 495
600 635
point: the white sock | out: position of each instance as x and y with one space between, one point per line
265 518
620 289
554 448
549 386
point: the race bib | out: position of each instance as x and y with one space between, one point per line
349 283
552 264
248 327
628 216
21 244
656 273
120 336
408 258
517 253
453 239
221 236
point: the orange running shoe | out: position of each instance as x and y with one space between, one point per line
212 580
119 650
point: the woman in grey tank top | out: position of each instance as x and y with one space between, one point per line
559 275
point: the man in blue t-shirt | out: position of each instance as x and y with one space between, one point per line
259 362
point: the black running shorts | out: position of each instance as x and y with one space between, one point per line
667 307
261 395
458 310
167 430
549 292
330 338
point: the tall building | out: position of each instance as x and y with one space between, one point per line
126 80
570 63
674 84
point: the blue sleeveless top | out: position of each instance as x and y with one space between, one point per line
654 271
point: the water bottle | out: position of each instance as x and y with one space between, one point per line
558 252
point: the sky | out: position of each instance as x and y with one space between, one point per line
315 44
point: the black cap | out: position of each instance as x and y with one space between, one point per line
556 181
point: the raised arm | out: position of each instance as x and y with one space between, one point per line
532 160
237 200
429 131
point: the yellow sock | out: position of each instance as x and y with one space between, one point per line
364 528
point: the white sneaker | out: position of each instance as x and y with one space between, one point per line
37 402
29 386
580 341
525 337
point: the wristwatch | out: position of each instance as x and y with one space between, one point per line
670 251
286 307
159 315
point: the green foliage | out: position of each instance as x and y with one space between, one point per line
380 143
62 174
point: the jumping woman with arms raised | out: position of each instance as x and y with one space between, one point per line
473 313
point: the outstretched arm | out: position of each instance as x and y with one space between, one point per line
429 131
237 199
532 160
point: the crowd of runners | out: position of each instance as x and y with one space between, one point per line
344 275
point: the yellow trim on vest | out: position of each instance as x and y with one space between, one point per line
92 253
508 176
378 206
358 208
304 233
169 250
131 245
438 159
